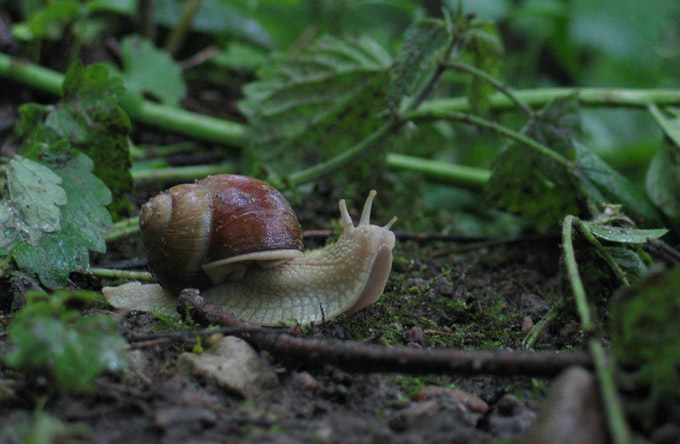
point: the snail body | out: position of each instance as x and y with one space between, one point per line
266 284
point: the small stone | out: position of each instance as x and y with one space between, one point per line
174 416
509 417
418 283
416 335
572 412
527 324
443 286
471 402
304 381
234 365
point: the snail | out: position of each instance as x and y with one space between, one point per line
237 239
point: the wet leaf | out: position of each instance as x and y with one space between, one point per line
624 234
85 219
32 206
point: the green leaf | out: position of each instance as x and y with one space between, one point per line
85 219
50 338
424 44
625 235
526 183
91 119
663 176
604 185
148 70
487 48
633 267
645 322
49 21
31 206
314 104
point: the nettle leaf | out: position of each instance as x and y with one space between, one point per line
423 46
31 206
487 49
90 117
663 176
317 102
625 235
84 222
645 322
148 70
604 185
528 183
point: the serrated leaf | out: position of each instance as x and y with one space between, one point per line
85 219
629 261
90 117
645 322
311 105
528 183
151 71
487 49
49 21
663 175
424 44
624 235
35 195
604 185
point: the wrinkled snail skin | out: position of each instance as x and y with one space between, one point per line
237 239
341 278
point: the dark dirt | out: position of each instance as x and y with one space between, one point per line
474 300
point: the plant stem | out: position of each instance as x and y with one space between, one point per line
606 255
618 427
490 125
609 97
176 38
199 126
122 274
439 171
181 174
146 12
332 164
123 228
501 87
211 129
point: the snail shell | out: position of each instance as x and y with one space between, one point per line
202 234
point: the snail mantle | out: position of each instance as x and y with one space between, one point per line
274 283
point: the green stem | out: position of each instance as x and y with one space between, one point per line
122 274
419 116
201 127
187 123
609 97
123 228
606 255
332 164
211 129
616 419
178 35
181 174
500 86
439 171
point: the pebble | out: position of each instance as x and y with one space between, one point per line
443 286
509 417
471 402
572 412
234 365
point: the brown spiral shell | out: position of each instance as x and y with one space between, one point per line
219 217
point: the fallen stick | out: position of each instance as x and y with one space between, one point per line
358 357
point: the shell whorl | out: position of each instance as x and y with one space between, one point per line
216 220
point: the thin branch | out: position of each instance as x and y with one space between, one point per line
500 86
419 116
122 274
618 427
357 357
